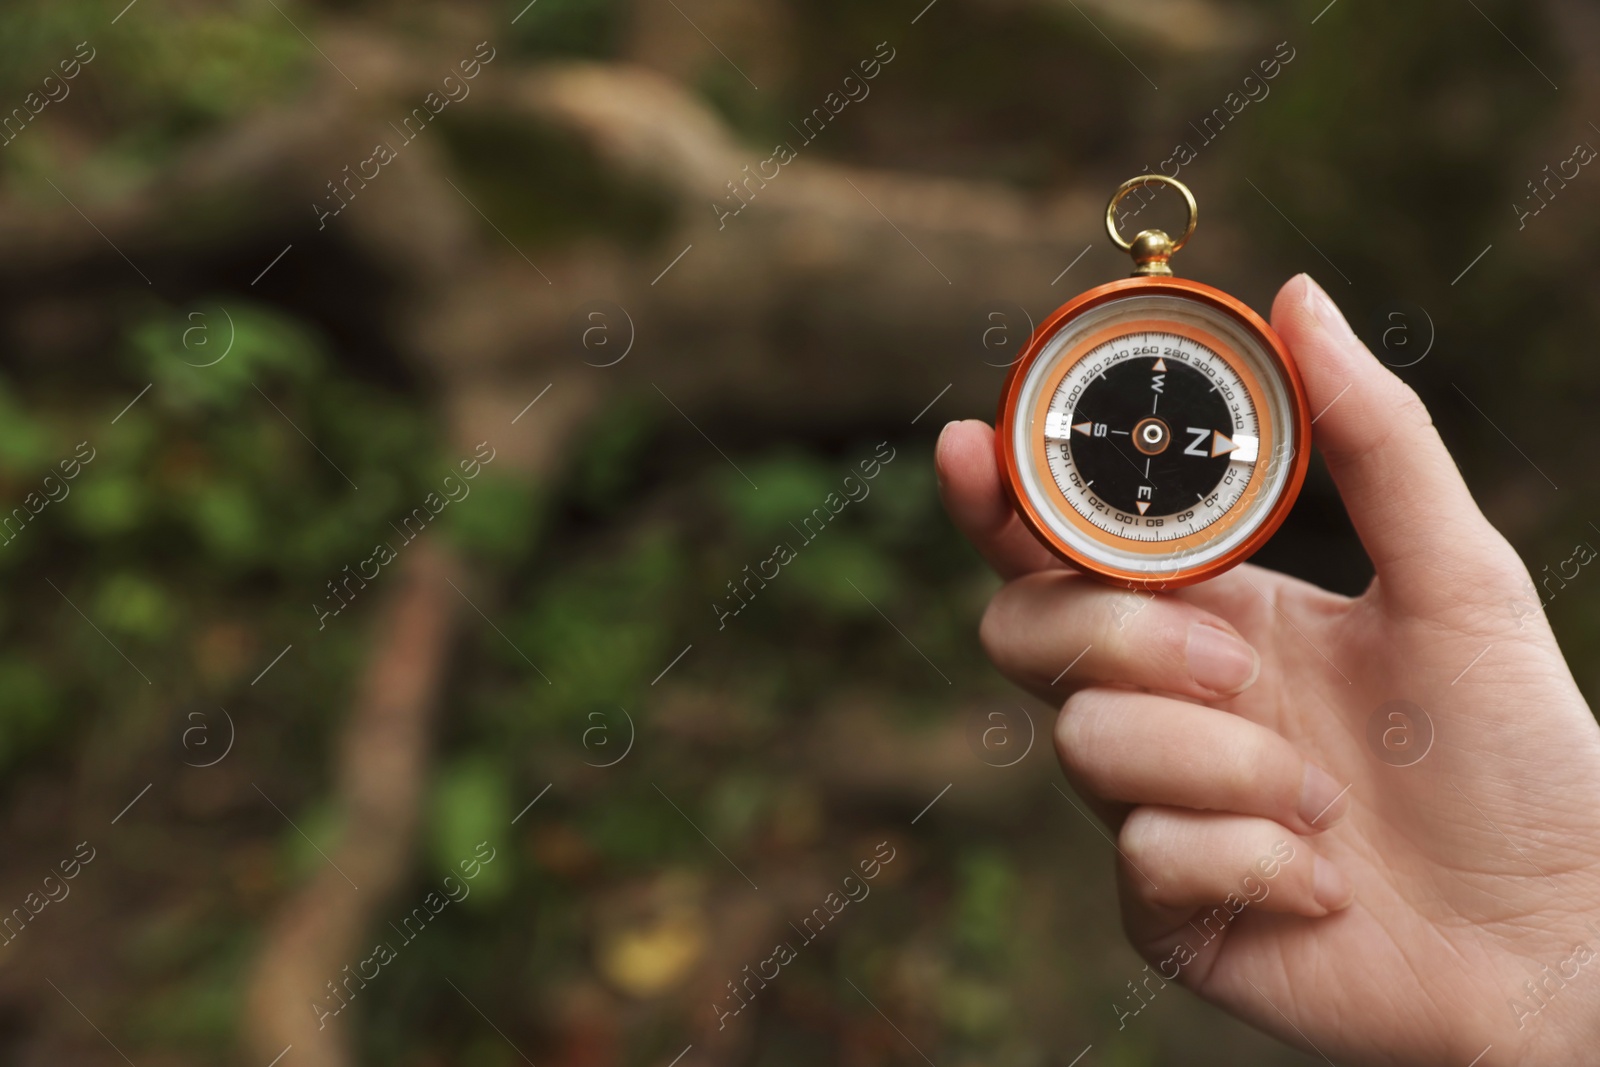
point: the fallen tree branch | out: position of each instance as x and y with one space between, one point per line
382 768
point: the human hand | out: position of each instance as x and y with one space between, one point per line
1426 911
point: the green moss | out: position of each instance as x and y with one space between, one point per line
543 187
587 28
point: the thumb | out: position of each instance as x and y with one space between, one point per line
1417 520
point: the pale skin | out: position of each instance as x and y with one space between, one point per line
1208 724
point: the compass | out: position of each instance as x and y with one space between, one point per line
1154 431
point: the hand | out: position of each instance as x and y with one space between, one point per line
1406 908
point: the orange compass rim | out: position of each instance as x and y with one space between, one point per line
1005 426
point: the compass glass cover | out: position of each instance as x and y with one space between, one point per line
1153 433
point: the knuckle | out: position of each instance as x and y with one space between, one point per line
1119 613
1403 417
1240 763
1500 578
1410 411
1496 587
1505 573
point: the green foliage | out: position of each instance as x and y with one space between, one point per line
840 559
986 905
975 1010
225 429
108 507
228 523
200 1013
499 520
470 804
614 452
30 703
586 626
634 832
1132 1050
736 803
791 485
35 35
215 360
155 78
547 187
840 572
565 27
304 846
759 119
201 501
136 605
198 1010
23 441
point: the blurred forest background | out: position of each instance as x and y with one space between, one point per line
270 788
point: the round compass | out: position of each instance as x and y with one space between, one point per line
1154 431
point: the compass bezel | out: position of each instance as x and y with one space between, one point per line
1298 433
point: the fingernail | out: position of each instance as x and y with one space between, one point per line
1323 801
1219 661
1330 887
1321 305
1308 293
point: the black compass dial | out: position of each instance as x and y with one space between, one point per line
1151 436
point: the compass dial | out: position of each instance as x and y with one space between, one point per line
1153 447
1154 437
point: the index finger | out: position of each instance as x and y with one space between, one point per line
969 485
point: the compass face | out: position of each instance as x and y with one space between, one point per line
1151 437
1154 436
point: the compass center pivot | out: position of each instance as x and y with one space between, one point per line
1151 436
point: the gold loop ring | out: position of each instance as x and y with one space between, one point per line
1142 180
